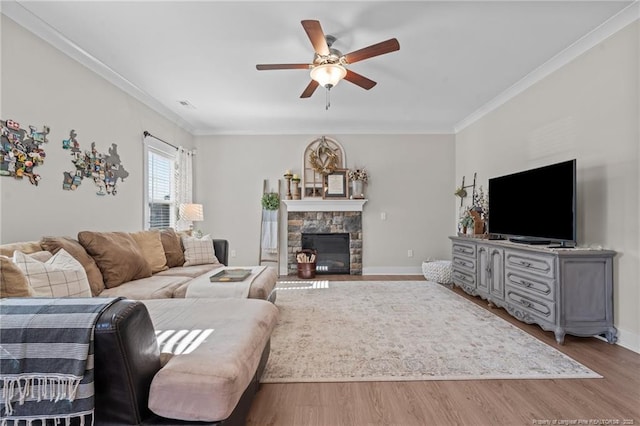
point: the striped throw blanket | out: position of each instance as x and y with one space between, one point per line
46 359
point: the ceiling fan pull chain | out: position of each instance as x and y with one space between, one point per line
328 99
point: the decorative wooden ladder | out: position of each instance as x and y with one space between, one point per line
270 254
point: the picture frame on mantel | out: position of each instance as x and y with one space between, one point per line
335 185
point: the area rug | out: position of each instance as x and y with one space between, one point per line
400 331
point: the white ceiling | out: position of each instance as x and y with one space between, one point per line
454 57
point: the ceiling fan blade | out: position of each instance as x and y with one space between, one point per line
359 80
316 35
265 67
377 49
313 85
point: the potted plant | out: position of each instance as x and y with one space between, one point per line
466 221
271 201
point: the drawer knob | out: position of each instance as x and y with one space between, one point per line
526 303
526 264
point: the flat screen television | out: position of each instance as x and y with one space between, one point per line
535 206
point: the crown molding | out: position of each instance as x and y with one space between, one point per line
605 30
23 17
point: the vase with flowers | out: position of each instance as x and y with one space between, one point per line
480 211
358 178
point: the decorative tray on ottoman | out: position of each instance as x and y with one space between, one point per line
230 275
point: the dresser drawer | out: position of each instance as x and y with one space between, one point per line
531 304
543 287
463 278
460 262
464 249
534 263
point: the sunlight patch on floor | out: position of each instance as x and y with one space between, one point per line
301 285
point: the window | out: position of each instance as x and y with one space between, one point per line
160 208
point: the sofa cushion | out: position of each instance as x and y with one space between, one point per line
172 247
60 276
204 381
191 271
198 251
155 287
152 249
117 255
13 283
75 249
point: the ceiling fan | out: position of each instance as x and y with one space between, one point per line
329 65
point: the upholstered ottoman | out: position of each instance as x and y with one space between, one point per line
214 348
258 285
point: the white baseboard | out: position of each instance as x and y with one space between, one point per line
629 340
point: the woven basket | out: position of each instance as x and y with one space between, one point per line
307 271
438 271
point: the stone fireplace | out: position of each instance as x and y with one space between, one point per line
324 217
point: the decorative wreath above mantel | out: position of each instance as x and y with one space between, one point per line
323 159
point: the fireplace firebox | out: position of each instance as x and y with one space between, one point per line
333 251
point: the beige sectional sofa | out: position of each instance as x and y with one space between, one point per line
142 265
205 382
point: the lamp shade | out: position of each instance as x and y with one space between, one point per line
328 75
192 212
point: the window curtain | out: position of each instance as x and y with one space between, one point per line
183 178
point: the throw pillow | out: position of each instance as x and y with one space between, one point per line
13 283
24 247
117 255
198 251
152 249
60 276
75 249
41 256
172 247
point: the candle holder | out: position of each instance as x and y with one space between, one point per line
296 189
288 177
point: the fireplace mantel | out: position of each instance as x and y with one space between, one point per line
324 205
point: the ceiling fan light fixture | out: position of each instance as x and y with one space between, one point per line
328 75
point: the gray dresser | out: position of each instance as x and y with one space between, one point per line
567 291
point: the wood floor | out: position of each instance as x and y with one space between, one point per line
613 400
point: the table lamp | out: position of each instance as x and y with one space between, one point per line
193 213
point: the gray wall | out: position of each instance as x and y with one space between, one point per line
42 86
411 180
586 110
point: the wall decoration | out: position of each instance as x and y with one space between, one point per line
335 184
323 155
105 170
21 150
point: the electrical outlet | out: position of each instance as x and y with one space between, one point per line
233 253
409 253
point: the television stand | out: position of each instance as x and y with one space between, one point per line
532 241
564 291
